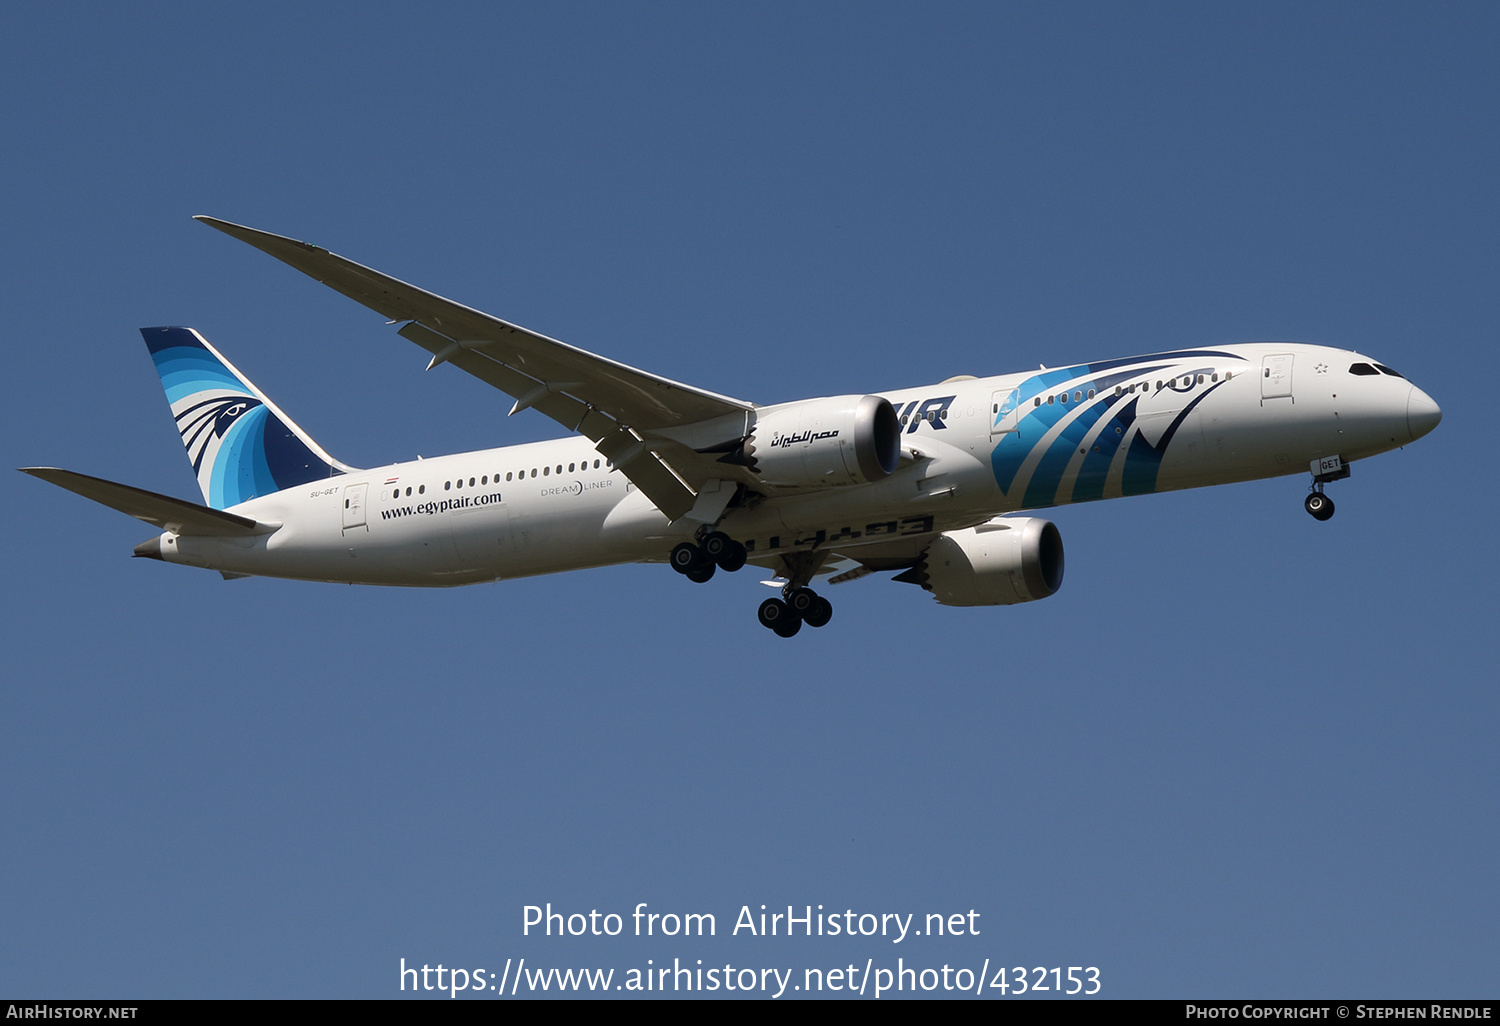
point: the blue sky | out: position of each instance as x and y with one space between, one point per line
1241 753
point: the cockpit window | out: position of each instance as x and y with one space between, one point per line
1386 370
1362 369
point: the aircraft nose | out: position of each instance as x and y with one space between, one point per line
1422 414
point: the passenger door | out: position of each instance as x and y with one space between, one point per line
1276 376
1005 412
354 507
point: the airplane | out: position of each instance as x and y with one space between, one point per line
924 482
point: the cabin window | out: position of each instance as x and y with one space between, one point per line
1063 398
507 475
1077 397
485 479
1200 379
447 486
533 472
570 468
546 471
1091 393
559 468
1038 402
1216 376
421 489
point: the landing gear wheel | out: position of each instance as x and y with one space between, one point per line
819 614
802 601
700 574
775 614
686 557
1319 505
725 551
734 558
788 627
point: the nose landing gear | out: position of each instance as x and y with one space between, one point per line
1328 468
1318 504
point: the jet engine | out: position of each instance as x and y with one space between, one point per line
1001 563
821 443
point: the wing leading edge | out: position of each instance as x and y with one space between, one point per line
629 414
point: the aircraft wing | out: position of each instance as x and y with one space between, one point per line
161 511
623 410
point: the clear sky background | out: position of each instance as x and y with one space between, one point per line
1241 753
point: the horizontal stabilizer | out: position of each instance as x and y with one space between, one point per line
161 511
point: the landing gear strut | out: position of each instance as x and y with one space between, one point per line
798 604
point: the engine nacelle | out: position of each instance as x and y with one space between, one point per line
1008 560
821 443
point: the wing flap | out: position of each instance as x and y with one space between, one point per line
645 469
566 410
161 511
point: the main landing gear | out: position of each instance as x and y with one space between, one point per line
786 615
698 562
798 604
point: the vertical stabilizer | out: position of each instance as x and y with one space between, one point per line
240 444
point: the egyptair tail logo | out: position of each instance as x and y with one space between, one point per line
203 423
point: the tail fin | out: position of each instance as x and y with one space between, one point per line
240 444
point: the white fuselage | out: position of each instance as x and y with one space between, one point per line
972 449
